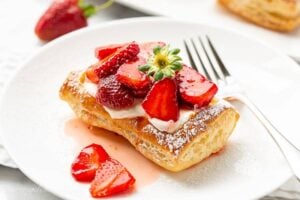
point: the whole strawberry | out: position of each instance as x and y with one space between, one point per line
64 16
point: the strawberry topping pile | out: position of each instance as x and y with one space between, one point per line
107 176
151 71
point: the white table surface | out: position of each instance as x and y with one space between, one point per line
17 20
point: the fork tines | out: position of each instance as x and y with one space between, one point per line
205 59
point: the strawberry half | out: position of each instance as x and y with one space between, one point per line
194 88
111 178
111 93
104 51
87 162
111 64
129 75
161 101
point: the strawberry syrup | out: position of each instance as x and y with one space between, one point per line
117 147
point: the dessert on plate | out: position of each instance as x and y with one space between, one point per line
145 93
280 15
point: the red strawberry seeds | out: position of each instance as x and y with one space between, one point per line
129 75
111 178
111 93
105 51
123 55
194 88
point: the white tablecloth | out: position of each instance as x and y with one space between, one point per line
17 20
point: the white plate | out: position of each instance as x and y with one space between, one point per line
33 118
209 12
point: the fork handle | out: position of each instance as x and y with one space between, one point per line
289 151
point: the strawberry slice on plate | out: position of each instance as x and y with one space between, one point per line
194 88
123 182
111 178
105 51
161 101
87 162
111 63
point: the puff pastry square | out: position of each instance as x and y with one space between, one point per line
279 15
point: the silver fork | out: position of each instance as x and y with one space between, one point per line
205 59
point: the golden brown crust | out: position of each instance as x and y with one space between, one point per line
280 15
204 134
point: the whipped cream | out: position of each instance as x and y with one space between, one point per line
137 111
91 88
171 126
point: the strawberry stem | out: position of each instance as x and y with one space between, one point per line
105 5
164 62
90 10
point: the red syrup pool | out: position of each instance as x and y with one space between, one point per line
117 147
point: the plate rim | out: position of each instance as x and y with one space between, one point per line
100 26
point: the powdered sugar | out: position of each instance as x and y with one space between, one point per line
197 124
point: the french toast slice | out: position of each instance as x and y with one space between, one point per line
280 15
205 133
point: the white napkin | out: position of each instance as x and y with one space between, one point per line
9 60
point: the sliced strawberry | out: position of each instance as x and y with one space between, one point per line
104 51
111 178
91 75
161 101
87 162
129 75
123 182
146 49
106 174
111 93
194 88
110 66
141 93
